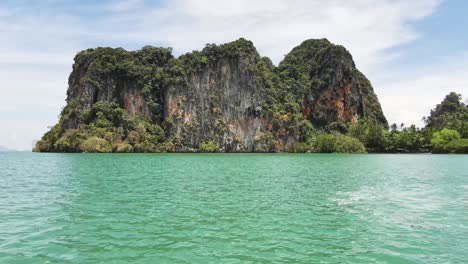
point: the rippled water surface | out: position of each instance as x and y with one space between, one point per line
240 208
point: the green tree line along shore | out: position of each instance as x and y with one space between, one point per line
446 131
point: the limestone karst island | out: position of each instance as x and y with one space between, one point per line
227 98
232 132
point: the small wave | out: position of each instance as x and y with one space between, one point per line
364 194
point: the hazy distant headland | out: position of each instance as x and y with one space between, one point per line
227 98
5 149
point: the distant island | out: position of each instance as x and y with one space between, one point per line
4 149
227 98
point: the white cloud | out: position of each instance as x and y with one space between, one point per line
368 28
38 43
412 97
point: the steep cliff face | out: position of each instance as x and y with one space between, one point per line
334 90
227 96
87 87
221 103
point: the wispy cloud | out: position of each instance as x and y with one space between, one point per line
411 97
368 28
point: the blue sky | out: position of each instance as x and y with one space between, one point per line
414 52
441 34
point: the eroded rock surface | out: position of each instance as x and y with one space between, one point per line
224 94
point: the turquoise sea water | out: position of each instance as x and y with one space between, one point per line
233 208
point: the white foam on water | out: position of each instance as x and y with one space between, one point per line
366 193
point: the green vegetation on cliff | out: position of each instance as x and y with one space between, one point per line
314 101
110 128
445 131
451 113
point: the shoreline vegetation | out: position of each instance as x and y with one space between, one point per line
446 131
